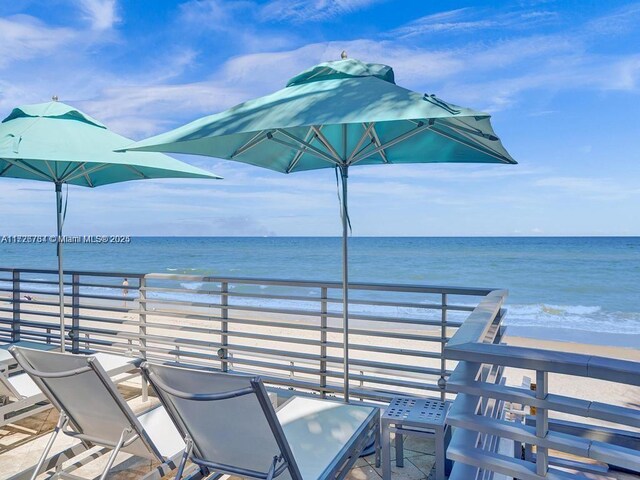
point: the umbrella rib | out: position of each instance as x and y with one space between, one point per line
466 128
137 172
376 142
87 172
255 140
66 170
87 177
299 153
53 175
318 153
419 128
365 135
472 145
326 143
465 134
6 169
29 168
66 175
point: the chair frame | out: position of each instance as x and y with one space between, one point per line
69 427
338 469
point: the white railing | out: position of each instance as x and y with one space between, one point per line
478 416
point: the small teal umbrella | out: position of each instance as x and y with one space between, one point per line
337 115
56 143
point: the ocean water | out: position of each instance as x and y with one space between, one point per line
587 288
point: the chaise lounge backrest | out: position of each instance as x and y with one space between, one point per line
228 417
79 386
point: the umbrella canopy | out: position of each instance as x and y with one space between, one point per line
339 114
335 108
57 143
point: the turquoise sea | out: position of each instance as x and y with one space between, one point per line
582 288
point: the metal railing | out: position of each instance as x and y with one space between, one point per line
478 415
409 339
289 332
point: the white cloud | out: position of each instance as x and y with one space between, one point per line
448 21
102 15
23 37
620 21
463 20
215 14
142 110
311 10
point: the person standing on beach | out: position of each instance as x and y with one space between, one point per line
125 290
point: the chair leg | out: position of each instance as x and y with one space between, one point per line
114 453
62 422
185 456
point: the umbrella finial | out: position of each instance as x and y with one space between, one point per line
343 55
54 98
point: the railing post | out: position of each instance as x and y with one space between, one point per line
75 313
142 329
323 341
224 325
442 381
15 321
542 423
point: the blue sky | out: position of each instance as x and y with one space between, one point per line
561 79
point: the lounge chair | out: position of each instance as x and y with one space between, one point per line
93 411
230 427
20 396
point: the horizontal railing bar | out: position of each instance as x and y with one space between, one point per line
392 350
471 291
84 273
304 326
508 466
67 294
394 367
394 382
562 442
623 371
396 334
305 298
295 312
558 403
54 304
215 304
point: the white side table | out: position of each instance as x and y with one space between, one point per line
414 416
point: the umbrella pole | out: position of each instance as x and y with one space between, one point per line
345 281
60 268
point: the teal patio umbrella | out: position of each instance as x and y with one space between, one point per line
337 115
57 143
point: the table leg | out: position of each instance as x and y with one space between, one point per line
386 452
440 454
399 449
377 445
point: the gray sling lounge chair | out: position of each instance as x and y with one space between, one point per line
230 427
93 411
21 397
